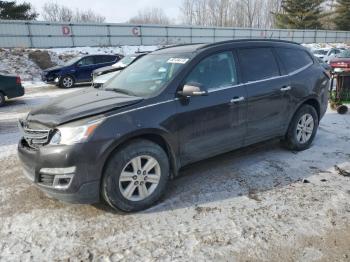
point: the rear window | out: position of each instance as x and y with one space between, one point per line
258 64
293 59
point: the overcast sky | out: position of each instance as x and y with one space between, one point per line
116 11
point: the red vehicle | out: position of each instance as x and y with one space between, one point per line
341 64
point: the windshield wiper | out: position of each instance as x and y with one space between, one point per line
119 90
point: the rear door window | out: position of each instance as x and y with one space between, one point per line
293 59
215 71
86 61
258 64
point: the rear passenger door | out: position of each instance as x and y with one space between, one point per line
267 93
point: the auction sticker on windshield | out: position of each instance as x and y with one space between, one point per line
178 60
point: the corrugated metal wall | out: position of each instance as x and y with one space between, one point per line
47 35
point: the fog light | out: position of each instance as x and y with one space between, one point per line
62 177
62 181
56 80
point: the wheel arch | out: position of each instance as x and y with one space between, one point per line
312 101
155 136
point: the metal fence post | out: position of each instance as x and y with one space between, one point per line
109 35
214 32
30 36
141 35
191 35
167 35
72 34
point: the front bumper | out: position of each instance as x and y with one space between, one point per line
50 79
68 173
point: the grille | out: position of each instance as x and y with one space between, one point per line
35 138
46 179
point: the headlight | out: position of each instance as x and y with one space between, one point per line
68 135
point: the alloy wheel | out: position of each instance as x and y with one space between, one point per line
305 128
139 178
67 82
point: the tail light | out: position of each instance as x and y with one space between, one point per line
18 80
340 65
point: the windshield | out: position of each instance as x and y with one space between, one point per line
320 52
148 75
344 54
72 61
127 60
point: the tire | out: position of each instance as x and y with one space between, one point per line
66 82
115 186
2 99
302 129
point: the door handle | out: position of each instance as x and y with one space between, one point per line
237 99
286 88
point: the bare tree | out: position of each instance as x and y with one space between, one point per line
241 13
88 16
54 12
151 16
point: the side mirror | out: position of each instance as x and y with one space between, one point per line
193 89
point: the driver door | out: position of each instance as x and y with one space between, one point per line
215 123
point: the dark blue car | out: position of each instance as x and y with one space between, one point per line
77 70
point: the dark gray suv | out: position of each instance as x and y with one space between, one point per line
124 141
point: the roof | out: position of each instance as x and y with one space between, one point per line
187 48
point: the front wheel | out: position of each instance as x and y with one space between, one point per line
302 129
135 176
66 82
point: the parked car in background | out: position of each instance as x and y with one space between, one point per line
10 87
77 70
325 65
341 64
327 53
120 65
102 75
175 106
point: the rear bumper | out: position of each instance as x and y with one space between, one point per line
63 172
15 92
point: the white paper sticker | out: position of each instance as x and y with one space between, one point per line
178 60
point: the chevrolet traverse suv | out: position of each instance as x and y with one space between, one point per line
125 141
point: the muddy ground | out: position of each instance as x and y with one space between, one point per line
261 203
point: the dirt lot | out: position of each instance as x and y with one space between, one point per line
262 203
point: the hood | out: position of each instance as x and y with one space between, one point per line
82 104
55 68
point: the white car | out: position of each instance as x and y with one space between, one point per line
100 80
326 54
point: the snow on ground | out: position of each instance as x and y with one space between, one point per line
261 203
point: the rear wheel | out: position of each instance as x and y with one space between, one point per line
2 99
136 176
303 128
67 82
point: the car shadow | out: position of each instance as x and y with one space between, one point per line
243 172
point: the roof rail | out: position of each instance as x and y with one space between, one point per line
245 40
177 45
